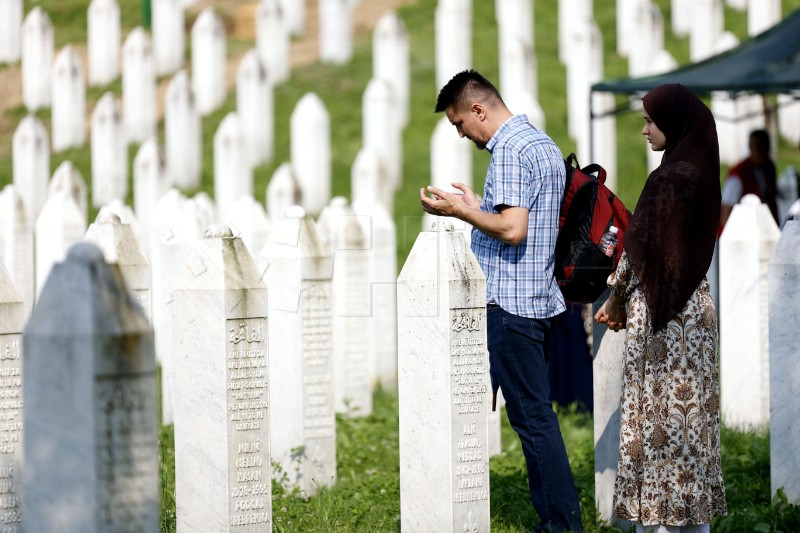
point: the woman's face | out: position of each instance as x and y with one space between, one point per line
655 137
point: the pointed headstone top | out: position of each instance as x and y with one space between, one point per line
442 225
106 216
294 211
218 230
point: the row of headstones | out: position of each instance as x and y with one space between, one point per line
255 372
243 139
759 349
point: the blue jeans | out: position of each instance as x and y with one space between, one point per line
517 355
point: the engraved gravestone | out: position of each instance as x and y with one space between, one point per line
182 133
311 151
109 152
784 361
37 57
104 41
368 180
272 39
341 230
221 389
745 247
301 363
12 318
444 390
120 246
91 448
16 244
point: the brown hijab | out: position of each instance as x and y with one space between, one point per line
671 235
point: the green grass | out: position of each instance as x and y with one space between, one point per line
366 497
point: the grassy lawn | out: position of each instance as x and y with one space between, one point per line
366 497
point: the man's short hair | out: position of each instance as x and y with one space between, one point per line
464 88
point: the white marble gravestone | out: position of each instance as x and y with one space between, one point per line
301 354
37 57
335 31
607 377
741 5
604 137
453 20
708 20
391 60
104 41
255 108
368 180
520 76
69 179
295 13
138 87
570 12
784 362
379 229
648 33
762 15
444 401
451 161
625 10
12 319
120 246
109 152
272 40
60 225
126 215
517 56
31 163
382 130
681 17
283 191
209 51
789 117
169 35
221 389
341 230
10 26
233 177
248 220
16 244
171 237
311 151
745 247
585 67
150 182
91 447
182 133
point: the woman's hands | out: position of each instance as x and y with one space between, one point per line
612 313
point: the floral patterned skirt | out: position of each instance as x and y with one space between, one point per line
669 457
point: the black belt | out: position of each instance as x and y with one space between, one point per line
492 305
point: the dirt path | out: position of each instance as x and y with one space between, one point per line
303 51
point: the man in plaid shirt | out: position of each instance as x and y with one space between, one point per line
513 237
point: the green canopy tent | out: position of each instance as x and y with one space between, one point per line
768 63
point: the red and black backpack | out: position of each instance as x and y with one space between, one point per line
588 210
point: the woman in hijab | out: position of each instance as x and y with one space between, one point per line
670 477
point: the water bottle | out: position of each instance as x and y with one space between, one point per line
608 242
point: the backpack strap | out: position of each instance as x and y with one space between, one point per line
593 169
